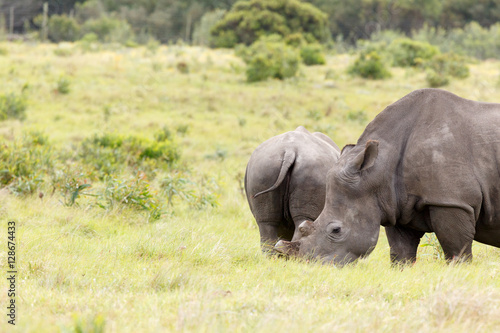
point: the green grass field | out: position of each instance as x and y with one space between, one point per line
84 269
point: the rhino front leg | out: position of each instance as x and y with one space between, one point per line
404 243
455 230
271 233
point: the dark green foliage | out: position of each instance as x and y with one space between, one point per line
369 65
312 54
269 57
249 20
63 28
411 53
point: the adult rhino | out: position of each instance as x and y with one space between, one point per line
430 162
285 182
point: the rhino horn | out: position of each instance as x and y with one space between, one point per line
288 248
306 228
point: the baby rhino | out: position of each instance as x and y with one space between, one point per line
285 182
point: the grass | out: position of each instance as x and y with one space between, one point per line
86 269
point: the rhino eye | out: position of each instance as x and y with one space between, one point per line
336 230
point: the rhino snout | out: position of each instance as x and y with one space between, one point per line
288 248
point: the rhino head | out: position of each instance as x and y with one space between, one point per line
349 224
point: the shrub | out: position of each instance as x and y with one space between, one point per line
134 193
89 42
25 162
63 86
247 21
110 153
71 184
63 28
444 66
13 106
450 64
312 54
270 57
180 185
109 29
411 53
435 79
369 65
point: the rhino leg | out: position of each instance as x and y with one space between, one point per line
271 233
454 229
403 243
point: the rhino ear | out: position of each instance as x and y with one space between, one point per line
366 158
347 148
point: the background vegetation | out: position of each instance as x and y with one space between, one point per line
127 190
124 150
171 20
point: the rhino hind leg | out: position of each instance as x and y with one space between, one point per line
455 229
403 243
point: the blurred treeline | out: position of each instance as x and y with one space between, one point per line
191 20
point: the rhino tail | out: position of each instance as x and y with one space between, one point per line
286 164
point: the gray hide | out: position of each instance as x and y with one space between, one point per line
285 182
430 162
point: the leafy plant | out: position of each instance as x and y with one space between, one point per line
411 53
312 54
13 106
369 65
134 193
270 57
444 66
63 85
247 21
63 28
25 162
109 153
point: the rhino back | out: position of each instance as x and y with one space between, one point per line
305 181
442 150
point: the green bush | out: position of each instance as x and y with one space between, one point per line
411 53
63 28
134 193
435 79
109 29
13 106
444 66
296 40
473 40
63 85
269 57
247 21
110 153
71 184
25 162
312 54
369 65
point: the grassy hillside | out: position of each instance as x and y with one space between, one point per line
82 267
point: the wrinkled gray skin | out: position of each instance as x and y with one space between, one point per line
428 163
285 182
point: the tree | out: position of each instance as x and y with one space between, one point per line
249 20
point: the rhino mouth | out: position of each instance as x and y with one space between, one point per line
287 248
